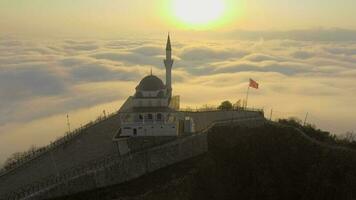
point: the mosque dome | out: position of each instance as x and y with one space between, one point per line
150 83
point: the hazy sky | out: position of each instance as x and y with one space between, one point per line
79 57
113 17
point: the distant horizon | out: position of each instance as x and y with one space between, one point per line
304 34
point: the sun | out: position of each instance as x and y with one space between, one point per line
198 12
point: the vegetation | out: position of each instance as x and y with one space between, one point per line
274 162
19 156
225 105
270 162
323 136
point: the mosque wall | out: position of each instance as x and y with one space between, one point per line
144 130
204 119
150 102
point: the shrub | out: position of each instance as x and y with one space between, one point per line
225 105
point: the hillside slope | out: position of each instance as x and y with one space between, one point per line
270 162
93 143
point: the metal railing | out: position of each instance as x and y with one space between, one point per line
216 109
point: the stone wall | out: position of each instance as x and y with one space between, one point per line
141 143
204 119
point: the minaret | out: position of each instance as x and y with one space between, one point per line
168 63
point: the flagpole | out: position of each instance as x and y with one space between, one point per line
248 91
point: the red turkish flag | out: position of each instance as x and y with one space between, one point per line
253 84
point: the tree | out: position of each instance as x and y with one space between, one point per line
12 160
225 105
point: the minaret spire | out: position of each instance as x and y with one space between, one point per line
168 46
168 62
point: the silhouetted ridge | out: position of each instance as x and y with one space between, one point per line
270 162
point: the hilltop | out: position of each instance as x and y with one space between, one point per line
275 161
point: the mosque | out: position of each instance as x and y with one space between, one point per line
153 110
149 132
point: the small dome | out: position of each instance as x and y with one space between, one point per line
150 83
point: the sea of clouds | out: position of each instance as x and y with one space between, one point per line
40 79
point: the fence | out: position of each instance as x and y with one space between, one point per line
57 143
216 108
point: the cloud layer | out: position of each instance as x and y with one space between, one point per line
299 74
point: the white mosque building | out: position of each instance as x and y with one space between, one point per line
151 92
153 110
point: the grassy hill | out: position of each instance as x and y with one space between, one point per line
270 162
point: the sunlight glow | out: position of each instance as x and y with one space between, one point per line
198 12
